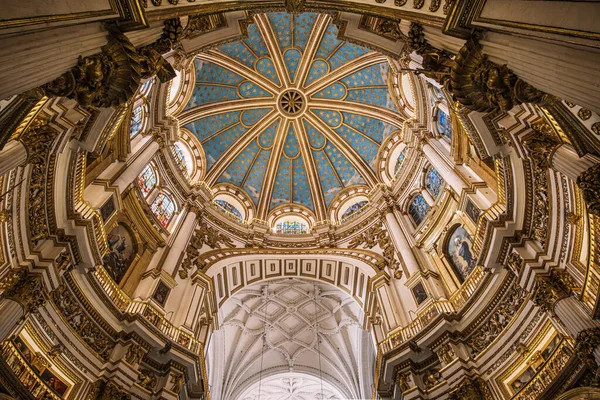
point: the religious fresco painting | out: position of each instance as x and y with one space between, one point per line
472 211
420 293
107 209
460 253
54 382
121 252
160 293
523 379
23 348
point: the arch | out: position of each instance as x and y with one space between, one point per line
581 393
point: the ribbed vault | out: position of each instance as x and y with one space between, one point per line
240 111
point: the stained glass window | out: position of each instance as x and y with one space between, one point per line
163 208
418 209
443 124
434 182
354 210
229 209
291 228
146 86
400 160
136 121
147 180
179 158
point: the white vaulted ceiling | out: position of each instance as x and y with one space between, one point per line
287 334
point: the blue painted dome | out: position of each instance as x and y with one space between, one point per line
291 114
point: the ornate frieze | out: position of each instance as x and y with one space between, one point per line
107 391
203 235
490 329
87 329
436 63
38 139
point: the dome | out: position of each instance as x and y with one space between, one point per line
291 118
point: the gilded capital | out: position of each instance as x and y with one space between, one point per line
589 183
552 289
586 342
28 290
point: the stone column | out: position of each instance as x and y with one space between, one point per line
12 155
566 161
135 167
401 243
11 313
552 294
447 172
180 241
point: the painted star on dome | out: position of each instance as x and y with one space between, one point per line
291 114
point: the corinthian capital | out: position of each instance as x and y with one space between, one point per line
589 183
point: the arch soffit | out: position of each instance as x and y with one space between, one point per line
350 270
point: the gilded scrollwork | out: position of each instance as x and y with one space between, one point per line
135 353
446 353
111 77
376 235
431 378
203 235
436 63
475 389
147 379
176 382
540 145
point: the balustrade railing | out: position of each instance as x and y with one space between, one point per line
429 313
145 309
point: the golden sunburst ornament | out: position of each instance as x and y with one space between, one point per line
291 102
